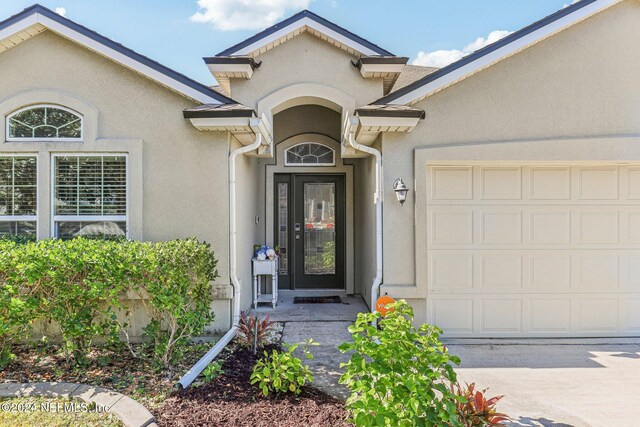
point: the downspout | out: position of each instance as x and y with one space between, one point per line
196 369
377 281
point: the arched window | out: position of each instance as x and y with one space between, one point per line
44 123
310 154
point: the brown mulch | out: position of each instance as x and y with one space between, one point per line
230 400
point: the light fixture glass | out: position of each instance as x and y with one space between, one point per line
401 190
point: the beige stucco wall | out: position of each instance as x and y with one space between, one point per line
178 175
305 58
572 96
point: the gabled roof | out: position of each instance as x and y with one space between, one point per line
496 52
301 22
35 19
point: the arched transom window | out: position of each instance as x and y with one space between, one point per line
44 123
310 154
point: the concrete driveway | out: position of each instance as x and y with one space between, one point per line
557 382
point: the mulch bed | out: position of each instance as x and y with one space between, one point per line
230 400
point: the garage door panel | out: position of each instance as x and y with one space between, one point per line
550 272
598 227
599 271
534 250
550 227
501 227
451 183
452 315
598 183
550 183
501 315
597 315
451 227
630 315
503 272
501 183
451 270
550 315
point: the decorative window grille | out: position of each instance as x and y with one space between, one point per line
310 154
44 123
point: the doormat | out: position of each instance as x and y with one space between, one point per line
334 299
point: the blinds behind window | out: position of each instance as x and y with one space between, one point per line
18 186
91 185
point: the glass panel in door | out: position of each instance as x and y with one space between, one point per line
319 228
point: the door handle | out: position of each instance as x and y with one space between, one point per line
297 237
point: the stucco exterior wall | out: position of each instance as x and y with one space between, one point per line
574 95
305 58
177 174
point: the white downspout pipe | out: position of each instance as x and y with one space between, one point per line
195 370
377 281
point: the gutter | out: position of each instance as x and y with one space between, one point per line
201 364
350 140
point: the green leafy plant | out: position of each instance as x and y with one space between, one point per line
474 409
76 284
176 290
17 304
214 370
252 330
398 374
281 371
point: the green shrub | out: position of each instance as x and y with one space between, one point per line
214 370
77 284
80 284
177 293
17 305
281 371
398 375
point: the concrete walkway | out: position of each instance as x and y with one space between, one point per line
325 323
128 410
557 383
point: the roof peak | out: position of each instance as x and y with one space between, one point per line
114 50
290 24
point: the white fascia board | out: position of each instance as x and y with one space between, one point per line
305 22
220 123
108 52
231 70
499 54
19 26
368 69
388 122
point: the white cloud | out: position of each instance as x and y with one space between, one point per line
569 4
61 11
442 58
229 15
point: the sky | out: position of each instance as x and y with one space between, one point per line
179 33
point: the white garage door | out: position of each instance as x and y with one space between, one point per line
534 250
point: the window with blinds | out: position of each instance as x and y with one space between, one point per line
90 196
18 197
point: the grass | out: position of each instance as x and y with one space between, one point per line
53 412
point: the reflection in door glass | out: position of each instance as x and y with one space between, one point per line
283 230
319 228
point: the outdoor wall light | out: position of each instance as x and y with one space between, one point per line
401 190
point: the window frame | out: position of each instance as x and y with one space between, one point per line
27 218
43 139
315 165
88 218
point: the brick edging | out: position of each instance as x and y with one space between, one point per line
128 410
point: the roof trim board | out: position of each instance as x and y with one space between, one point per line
496 52
172 79
308 19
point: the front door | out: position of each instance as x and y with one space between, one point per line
310 230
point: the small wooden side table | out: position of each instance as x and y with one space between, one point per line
267 267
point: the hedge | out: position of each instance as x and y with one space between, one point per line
80 284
